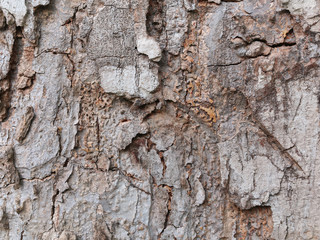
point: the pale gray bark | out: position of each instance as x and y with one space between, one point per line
159 119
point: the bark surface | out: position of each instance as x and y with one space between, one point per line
159 119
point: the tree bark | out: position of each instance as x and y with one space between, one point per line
159 119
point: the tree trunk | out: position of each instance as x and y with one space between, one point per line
159 119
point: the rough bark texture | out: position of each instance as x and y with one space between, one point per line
159 119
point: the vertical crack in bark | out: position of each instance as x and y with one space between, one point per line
53 208
21 235
163 162
169 189
189 172
6 83
59 132
151 183
136 208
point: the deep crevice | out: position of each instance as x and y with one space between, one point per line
54 203
155 22
6 83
